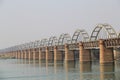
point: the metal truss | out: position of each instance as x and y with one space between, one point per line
80 35
108 29
43 43
64 38
52 41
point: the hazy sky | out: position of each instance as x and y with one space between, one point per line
28 20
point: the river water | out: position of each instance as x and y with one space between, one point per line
16 69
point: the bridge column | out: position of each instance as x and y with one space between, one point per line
49 55
16 54
116 53
106 54
10 54
27 54
30 54
40 54
84 54
43 55
57 54
19 54
36 54
69 55
22 54
13 54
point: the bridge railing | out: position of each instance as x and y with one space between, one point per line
61 47
91 44
43 49
109 43
51 48
74 46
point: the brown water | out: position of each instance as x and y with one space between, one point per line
16 69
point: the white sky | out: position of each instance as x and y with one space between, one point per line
28 20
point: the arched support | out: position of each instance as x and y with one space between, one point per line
108 29
64 39
80 35
43 43
52 41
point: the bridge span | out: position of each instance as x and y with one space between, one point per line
103 37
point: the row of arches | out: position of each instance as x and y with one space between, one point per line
79 35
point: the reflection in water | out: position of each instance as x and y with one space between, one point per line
85 67
107 71
58 65
67 66
57 70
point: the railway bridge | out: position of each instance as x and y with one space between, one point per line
103 38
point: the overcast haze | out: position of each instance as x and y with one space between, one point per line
28 20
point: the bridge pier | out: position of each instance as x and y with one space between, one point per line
116 53
15 54
106 54
69 55
57 54
23 54
84 54
19 54
12 54
27 54
36 54
30 54
40 54
43 55
49 55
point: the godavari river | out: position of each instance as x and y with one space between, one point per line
18 69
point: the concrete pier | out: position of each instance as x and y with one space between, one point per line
49 55
69 55
84 54
57 54
106 54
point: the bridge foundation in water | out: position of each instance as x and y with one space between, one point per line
84 54
27 54
30 54
106 54
116 53
69 55
57 54
19 54
49 54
